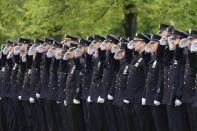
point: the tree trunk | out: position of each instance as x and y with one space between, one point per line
130 21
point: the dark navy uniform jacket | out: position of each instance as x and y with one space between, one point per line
53 82
73 80
175 78
63 70
14 80
35 75
190 88
43 84
121 83
155 76
6 73
26 90
168 59
96 81
87 75
135 90
111 67
86 71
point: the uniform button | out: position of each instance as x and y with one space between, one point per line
134 88
168 78
168 86
53 88
115 86
184 83
153 89
64 90
193 88
86 88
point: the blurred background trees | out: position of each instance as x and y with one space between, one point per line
54 18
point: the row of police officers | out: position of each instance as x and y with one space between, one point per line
145 83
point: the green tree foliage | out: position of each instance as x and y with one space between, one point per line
54 18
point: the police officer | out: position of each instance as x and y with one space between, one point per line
136 86
42 90
74 107
189 89
111 67
6 85
53 104
86 73
155 82
96 109
3 121
34 80
63 70
175 109
123 118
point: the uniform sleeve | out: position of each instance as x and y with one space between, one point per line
29 61
101 55
47 62
192 59
16 58
129 55
78 93
160 53
160 83
55 65
37 60
77 63
179 53
89 62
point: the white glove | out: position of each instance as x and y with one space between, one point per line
157 103
76 101
57 102
50 53
10 55
102 47
163 41
66 56
5 51
194 46
117 55
65 103
115 48
89 99
16 50
37 95
31 100
19 97
58 55
31 50
183 43
126 101
91 49
178 102
147 48
100 100
40 49
24 57
130 45
77 53
109 97
143 101
170 44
